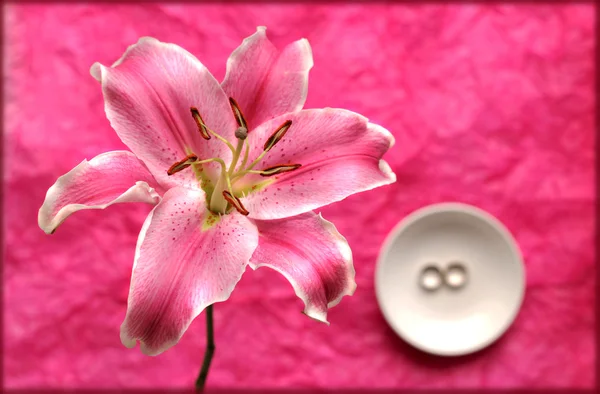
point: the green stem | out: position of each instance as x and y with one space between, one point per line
208 353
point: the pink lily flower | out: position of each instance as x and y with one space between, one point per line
234 171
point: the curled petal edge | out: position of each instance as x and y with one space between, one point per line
141 191
345 251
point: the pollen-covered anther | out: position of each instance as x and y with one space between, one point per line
200 123
182 164
277 135
235 202
237 113
279 169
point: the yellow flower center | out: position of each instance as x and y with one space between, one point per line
224 197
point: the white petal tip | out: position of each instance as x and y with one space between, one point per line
341 241
148 39
127 341
385 168
349 292
318 316
307 50
385 133
48 230
96 71
261 28
149 352
43 221
141 41
130 343
352 290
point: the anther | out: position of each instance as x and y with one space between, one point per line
235 202
200 123
277 135
182 165
237 113
241 133
279 169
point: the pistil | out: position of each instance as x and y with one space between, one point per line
241 133
218 204
246 153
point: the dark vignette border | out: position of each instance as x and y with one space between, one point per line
4 3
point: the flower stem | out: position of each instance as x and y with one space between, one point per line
208 353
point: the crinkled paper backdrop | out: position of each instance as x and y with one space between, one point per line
491 105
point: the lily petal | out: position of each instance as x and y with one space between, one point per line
339 152
312 255
266 82
148 96
185 260
107 179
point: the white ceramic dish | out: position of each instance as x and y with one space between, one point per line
450 321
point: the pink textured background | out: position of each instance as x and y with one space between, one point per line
490 105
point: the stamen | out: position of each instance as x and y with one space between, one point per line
182 165
237 113
279 169
200 123
277 135
235 202
205 131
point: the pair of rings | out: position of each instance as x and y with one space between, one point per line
432 277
